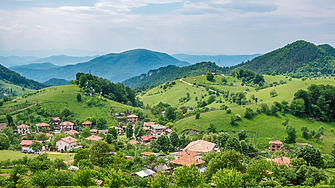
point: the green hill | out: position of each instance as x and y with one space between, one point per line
16 79
35 66
114 66
11 90
39 106
300 58
329 49
56 82
169 73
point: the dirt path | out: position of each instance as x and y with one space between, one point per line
199 86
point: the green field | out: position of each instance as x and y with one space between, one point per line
8 154
7 89
54 98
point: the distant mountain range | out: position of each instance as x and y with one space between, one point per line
114 66
56 82
221 60
47 53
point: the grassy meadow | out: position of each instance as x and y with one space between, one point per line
8 154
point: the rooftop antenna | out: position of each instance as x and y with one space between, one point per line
89 71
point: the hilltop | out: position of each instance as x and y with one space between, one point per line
114 66
56 82
299 59
169 73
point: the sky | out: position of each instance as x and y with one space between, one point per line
172 26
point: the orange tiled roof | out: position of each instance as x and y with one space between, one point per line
87 122
133 142
132 115
72 132
56 118
49 135
94 137
146 137
148 123
187 160
66 123
184 153
69 139
42 125
146 128
282 160
275 142
200 146
28 142
22 126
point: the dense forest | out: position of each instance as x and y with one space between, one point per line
15 78
171 72
113 91
298 59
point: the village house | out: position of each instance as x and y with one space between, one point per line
181 154
2 126
72 132
66 126
158 130
87 123
147 153
132 118
200 146
119 129
50 136
133 142
94 137
64 144
147 126
146 139
282 160
25 145
275 145
187 160
56 121
94 131
23 129
42 126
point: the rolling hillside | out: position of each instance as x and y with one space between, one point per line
115 66
56 82
35 66
300 58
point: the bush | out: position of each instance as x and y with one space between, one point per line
238 117
233 121
248 113
197 116
228 111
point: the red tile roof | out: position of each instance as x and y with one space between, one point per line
148 123
185 153
200 146
66 123
68 139
56 118
132 115
42 125
94 137
28 142
282 160
22 126
49 135
187 160
275 142
133 142
72 132
146 137
87 122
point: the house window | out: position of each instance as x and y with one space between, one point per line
273 149
60 144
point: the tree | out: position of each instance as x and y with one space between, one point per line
59 163
227 178
209 76
99 150
210 137
311 155
9 120
291 134
78 97
163 143
116 178
183 109
242 135
4 142
101 122
65 111
113 133
169 113
86 132
248 113
43 178
80 155
129 130
229 159
139 131
85 163
211 128
174 139
197 115
187 176
36 146
304 131
273 93
233 144
244 146
84 177
298 107
16 172
222 139
160 181
109 138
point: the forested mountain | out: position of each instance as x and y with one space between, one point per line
115 66
329 49
15 78
221 60
62 60
56 82
46 65
15 60
300 58
169 73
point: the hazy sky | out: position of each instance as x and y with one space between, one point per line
194 26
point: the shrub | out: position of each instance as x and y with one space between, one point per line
228 111
238 117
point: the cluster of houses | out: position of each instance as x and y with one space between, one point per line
153 131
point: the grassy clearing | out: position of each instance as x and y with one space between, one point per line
8 154
10 89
